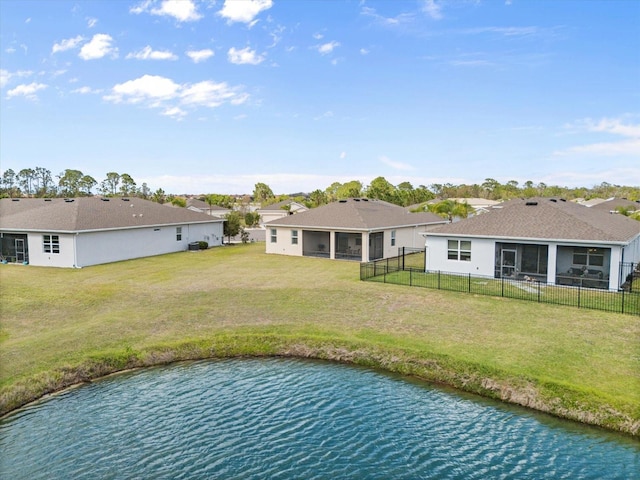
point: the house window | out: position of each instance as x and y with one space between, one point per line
294 237
51 243
178 234
393 238
592 257
274 235
459 250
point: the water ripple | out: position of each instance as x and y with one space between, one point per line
284 419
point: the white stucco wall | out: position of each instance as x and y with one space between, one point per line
482 256
283 243
93 248
38 257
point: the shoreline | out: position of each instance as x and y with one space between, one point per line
528 393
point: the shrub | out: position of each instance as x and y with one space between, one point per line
203 245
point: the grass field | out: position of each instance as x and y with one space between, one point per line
59 327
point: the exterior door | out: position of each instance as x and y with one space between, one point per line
508 263
20 256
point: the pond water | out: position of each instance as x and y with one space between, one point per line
289 418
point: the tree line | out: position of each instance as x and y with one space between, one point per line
39 182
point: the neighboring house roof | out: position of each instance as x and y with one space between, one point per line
545 219
91 213
357 214
205 207
592 202
612 203
281 206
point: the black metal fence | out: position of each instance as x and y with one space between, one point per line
402 270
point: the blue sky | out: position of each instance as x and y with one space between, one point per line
201 96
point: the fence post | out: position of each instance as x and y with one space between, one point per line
438 279
538 292
469 283
502 286
411 277
402 258
579 289
622 309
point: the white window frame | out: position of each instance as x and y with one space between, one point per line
51 243
294 237
393 238
459 250
178 234
274 235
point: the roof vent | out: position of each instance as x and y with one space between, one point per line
357 199
68 200
553 200
104 199
365 199
47 199
15 199
531 204
563 199
342 201
125 199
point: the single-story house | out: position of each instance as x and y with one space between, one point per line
542 239
611 204
352 229
78 232
203 207
280 210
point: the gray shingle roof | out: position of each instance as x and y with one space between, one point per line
548 219
91 213
357 214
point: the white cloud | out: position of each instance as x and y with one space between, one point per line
147 53
613 125
244 56
396 165
85 90
175 112
27 91
91 22
343 155
629 145
146 88
161 92
67 44
6 76
364 51
327 114
181 10
431 8
200 55
244 11
211 94
327 48
401 19
98 47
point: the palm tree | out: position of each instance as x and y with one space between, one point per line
450 209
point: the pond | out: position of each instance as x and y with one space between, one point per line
288 418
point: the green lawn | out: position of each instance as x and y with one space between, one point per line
60 326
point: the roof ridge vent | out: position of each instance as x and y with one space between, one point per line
15 199
365 199
125 199
47 199
104 199
531 204
68 200
553 200
342 201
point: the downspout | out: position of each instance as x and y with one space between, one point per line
75 251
